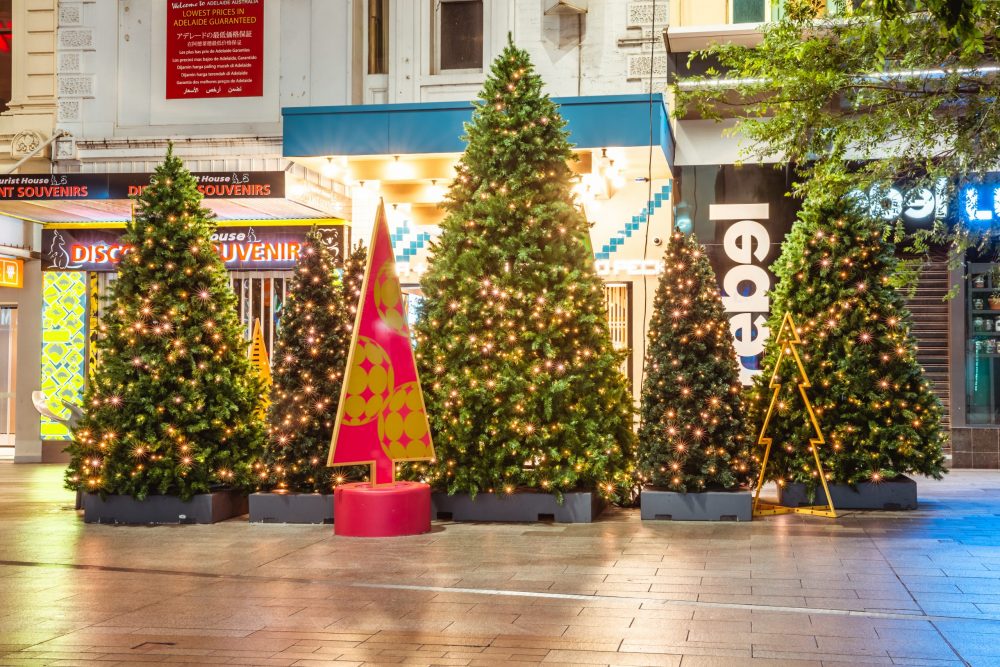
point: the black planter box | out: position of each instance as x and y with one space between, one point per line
703 506
291 508
899 494
202 508
578 507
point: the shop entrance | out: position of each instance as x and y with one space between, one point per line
618 300
8 371
259 294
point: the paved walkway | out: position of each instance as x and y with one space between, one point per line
913 588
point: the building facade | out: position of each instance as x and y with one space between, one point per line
102 87
106 85
952 335
111 84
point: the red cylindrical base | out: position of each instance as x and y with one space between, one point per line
388 510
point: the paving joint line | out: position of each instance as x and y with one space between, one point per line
853 613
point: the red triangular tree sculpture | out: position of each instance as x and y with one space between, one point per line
381 418
788 341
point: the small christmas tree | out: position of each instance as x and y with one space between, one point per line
172 407
309 359
522 384
875 407
692 436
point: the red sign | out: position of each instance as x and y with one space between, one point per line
215 48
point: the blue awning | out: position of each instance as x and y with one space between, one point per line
436 128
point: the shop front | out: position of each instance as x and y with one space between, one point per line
80 222
975 349
405 154
742 213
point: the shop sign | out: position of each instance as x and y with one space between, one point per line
215 49
629 267
918 208
212 185
241 248
745 281
11 272
979 205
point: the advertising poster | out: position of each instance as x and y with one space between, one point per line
215 49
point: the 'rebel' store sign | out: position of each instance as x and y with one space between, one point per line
241 248
745 280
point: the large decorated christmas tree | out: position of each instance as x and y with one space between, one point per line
309 358
692 436
874 405
522 384
173 405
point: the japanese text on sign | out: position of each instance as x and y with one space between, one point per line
215 48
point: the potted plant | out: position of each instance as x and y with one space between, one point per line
530 414
309 359
172 424
994 298
879 416
693 449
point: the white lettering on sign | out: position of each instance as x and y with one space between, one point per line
630 267
914 206
748 243
257 251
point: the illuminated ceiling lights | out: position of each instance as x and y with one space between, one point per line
398 170
436 193
334 167
606 176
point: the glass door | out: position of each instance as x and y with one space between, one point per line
8 371
261 295
617 299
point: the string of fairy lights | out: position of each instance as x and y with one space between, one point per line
881 417
692 435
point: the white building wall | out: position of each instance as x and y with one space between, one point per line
112 91
562 48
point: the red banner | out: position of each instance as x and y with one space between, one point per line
215 48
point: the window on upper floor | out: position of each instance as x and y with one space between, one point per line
378 36
458 34
820 7
6 37
748 11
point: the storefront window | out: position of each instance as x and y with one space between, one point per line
982 344
749 11
260 295
459 34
